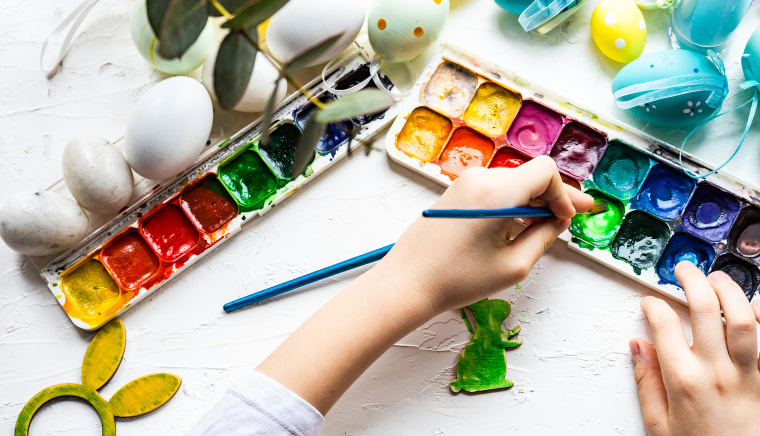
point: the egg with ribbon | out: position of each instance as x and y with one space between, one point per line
619 30
673 88
541 15
401 30
147 44
751 57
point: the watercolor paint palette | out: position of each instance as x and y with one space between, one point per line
183 219
467 112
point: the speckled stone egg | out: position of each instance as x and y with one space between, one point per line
97 175
619 30
673 88
401 30
41 223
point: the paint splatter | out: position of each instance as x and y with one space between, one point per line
598 229
466 149
578 149
535 129
621 171
424 134
482 365
492 109
640 240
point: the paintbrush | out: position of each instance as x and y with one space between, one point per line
600 206
375 255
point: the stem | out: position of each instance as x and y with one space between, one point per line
291 81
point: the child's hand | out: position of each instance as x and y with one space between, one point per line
712 387
449 263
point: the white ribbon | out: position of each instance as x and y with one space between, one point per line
49 63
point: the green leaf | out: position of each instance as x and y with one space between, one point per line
230 6
233 68
306 57
362 102
254 13
103 355
266 120
305 149
183 22
144 395
156 10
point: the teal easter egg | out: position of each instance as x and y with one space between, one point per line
751 57
514 6
673 88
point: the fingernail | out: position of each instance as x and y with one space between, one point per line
685 264
718 276
635 350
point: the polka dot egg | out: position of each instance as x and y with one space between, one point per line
401 30
619 30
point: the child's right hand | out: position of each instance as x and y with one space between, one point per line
713 386
442 264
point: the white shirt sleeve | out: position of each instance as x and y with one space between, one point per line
258 405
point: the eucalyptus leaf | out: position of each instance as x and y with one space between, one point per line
183 22
254 13
156 9
233 68
266 120
306 57
230 6
305 149
358 103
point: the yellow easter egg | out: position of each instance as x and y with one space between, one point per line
619 30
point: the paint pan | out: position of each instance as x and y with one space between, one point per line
180 220
656 215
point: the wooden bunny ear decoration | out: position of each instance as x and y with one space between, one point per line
100 363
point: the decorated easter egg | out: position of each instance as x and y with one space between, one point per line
541 15
751 57
672 88
168 128
41 223
401 30
618 29
514 6
301 24
259 88
97 174
147 44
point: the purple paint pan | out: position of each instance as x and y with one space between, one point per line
710 213
578 149
534 129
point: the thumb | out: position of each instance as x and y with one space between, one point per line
652 394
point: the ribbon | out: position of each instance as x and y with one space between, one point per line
374 75
752 71
74 20
654 90
541 11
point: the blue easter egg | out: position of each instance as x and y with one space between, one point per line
673 88
751 57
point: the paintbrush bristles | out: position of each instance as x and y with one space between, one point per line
600 206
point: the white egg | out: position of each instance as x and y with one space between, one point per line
259 88
97 174
302 23
41 223
147 44
168 128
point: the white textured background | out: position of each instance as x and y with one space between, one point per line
572 374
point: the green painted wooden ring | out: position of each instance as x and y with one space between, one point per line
107 422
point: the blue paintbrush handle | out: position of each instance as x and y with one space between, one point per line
510 212
312 277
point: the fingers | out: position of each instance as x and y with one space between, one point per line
741 331
669 338
532 242
652 394
706 321
540 179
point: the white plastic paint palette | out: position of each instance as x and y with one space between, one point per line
466 112
181 220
